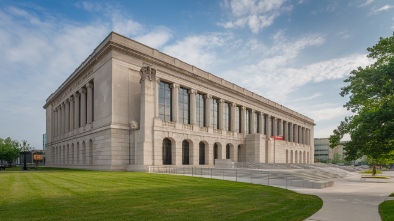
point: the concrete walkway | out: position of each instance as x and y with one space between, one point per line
351 199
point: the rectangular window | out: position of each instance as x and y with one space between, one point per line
183 106
265 124
200 110
215 113
226 116
165 100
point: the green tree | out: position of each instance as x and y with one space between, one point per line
9 150
371 100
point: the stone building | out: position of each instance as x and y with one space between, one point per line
129 106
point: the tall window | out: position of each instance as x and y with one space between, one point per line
200 110
256 122
165 101
185 152
226 116
202 153
265 124
278 127
247 123
183 106
215 152
167 152
228 151
215 113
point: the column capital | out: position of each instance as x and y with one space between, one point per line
71 98
243 108
253 111
158 80
89 85
63 105
192 91
221 100
174 85
82 91
207 96
233 104
147 72
76 95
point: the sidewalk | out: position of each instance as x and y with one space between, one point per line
351 199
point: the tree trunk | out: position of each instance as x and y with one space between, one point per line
374 170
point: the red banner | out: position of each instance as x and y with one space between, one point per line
277 137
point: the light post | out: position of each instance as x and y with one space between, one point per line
24 160
24 147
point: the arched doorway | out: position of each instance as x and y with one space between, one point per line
167 153
201 153
228 151
185 152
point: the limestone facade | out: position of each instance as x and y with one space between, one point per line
129 106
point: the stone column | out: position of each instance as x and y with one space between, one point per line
243 119
280 127
192 106
232 115
55 122
275 126
296 134
221 115
157 90
251 123
208 98
175 89
59 120
67 116
89 105
291 139
82 91
286 131
261 119
71 113
76 111
268 126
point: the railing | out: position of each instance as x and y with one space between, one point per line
187 127
238 175
204 129
168 124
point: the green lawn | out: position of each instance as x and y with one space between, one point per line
386 210
96 195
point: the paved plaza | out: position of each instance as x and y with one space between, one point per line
351 198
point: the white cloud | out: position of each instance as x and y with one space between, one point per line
308 98
197 50
254 14
366 3
381 9
155 39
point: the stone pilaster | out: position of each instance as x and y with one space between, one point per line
89 103
72 113
261 122
76 111
208 98
280 124
221 115
56 122
275 126
157 91
82 91
252 129
175 102
67 116
268 126
192 106
232 116
286 131
243 119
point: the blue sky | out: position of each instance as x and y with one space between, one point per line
296 53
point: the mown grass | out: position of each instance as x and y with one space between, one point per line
386 209
370 172
96 195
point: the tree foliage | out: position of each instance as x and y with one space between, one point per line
371 100
9 150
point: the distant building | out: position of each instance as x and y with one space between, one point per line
325 154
